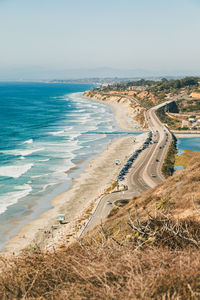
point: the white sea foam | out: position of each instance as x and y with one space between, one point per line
79 116
28 141
63 155
21 152
73 135
68 147
29 152
80 110
14 171
38 176
11 198
74 96
48 185
56 132
24 187
68 128
57 97
43 160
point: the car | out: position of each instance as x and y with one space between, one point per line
153 175
109 203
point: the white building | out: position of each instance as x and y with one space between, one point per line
192 120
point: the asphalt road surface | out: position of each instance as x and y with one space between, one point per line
145 172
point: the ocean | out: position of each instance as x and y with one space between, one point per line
48 134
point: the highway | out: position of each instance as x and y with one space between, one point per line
145 172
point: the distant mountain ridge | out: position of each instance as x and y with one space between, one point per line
40 73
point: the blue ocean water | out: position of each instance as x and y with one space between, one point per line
46 131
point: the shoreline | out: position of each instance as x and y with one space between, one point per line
186 135
96 177
124 117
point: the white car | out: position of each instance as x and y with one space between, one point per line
109 203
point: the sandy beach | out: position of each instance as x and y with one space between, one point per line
78 202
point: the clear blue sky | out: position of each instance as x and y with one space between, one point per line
123 34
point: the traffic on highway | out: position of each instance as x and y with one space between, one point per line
142 170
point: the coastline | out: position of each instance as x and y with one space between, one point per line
186 135
124 117
90 185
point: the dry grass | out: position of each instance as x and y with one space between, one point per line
110 269
185 158
148 250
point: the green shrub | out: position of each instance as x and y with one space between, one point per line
168 165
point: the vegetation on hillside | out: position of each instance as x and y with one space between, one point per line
145 94
168 165
189 105
165 119
151 92
155 86
148 250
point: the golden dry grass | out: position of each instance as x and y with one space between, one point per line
185 158
148 250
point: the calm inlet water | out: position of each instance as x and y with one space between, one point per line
192 143
46 130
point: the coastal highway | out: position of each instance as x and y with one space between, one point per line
105 205
145 172
150 172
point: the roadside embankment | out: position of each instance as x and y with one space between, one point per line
168 165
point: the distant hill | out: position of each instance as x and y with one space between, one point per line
41 73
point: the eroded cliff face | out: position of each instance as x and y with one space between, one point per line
131 106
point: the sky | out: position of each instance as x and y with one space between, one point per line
62 36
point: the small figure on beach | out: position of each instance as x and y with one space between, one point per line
61 218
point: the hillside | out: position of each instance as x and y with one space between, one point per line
138 96
149 249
